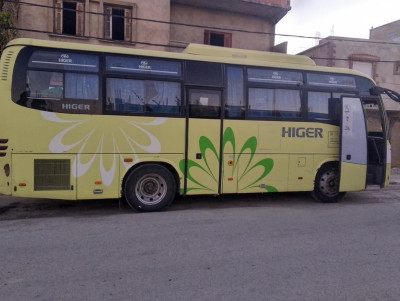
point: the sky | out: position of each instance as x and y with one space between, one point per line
345 18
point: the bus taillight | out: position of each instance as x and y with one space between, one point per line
3 147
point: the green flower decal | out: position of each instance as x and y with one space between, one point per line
245 157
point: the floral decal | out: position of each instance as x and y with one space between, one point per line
245 157
95 137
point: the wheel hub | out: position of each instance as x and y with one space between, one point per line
329 183
151 189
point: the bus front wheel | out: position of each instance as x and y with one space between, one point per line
150 187
326 186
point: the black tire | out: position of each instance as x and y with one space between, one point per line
150 187
326 186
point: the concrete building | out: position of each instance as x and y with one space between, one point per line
387 32
378 57
158 24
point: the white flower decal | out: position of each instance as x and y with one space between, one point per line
95 137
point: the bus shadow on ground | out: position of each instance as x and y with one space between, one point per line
285 199
42 208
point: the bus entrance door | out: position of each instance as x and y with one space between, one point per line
353 152
364 146
203 141
377 143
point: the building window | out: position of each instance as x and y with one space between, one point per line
363 67
118 23
217 38
69 17
396 68
364 63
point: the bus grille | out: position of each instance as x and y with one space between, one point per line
6 65
52 174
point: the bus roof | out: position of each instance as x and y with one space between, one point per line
206 50
201 53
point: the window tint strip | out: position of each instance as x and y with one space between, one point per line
65 64
64 60
142 65
144 70
275 76
331 80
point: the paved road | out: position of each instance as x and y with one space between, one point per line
271 247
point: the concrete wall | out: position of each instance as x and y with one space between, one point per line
387 32
42 19
182 35
151 32
391 33
35 17
342 52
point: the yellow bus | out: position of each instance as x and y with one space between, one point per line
85 121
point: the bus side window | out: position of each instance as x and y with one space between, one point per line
277 103
204 103
143 96
163 97
43 84
261 103
318 105
42 88
235 106
125 95
287 103
82 86
325 106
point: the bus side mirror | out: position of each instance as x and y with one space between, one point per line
379 90
376 91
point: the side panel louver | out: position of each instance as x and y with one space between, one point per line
52 174
6 65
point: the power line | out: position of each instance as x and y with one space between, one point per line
385 83
176 46
93 37
352 59
339 39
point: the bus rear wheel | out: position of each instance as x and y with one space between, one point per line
150 187
326 186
